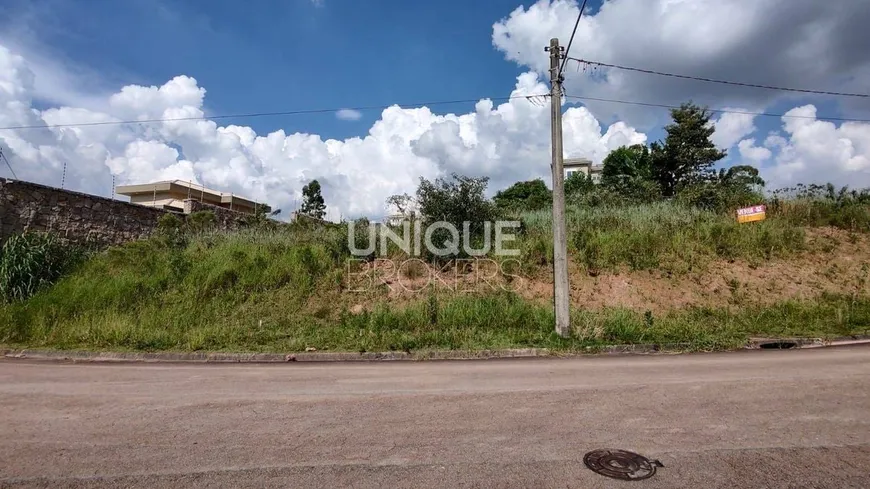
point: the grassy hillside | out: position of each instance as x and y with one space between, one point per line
286 289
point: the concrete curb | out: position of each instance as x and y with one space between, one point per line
201 357
792 343
218 357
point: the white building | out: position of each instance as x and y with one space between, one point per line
171 194
584 166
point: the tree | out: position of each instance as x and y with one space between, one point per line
403 203
625 164
262 217
687 154
530 195
457 200
312 201
743 176
727 190
578 183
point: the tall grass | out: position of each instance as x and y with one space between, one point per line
491 321
30 262
663 235
212 278
823 205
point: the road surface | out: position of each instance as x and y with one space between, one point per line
733 420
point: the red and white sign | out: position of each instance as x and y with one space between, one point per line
750 214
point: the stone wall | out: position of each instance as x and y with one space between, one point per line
84 218
77 217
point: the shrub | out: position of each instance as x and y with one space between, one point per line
530 195
170 232
169 222
719 197
201 221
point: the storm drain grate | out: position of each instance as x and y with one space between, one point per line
778 345
620 464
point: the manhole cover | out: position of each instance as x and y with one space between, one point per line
619 464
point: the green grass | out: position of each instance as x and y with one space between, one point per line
273 322
472 322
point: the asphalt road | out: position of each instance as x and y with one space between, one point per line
738 420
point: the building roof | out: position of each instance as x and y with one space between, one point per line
576 162
571 163
194 190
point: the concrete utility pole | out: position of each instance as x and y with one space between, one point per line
561 291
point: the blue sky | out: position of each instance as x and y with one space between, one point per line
274 55
268 55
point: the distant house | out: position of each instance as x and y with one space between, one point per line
398 218
171 194
584 166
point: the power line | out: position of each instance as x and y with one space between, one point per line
571 41
534 99
712 80
719 111
7 164
272 114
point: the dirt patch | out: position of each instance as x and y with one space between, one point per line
835 262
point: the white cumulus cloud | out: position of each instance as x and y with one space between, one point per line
753 154
814 151
348 115
731 127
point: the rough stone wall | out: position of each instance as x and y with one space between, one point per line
77 217
84 218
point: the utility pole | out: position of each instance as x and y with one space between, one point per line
561 291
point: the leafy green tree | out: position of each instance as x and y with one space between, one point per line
687 155
530 195
262 217
729 189
456 200
625 164
740 176
578 183
312 201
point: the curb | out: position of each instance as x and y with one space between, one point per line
802 343
199 357
423 355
